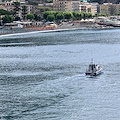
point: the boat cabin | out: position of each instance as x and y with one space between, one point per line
92 67
93 70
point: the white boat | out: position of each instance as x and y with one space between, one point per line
93 70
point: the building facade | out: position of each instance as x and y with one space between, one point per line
62 5
75 5
110 9
9 7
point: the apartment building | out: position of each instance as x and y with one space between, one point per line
46 5
88 7
117 9
75 5
6 5
62 5
9 6
105 8
110 9
94 8
68 6
85 6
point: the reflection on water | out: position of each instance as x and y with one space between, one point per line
42 76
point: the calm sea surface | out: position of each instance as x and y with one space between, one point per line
42 76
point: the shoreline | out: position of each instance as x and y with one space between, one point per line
61 28
42 31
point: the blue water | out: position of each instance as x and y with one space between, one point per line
42 76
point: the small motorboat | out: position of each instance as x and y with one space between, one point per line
93 70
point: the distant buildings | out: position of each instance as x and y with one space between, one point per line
75 5
110 9
62 5
6 5
66 5
9 6
86 6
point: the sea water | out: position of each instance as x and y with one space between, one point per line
42 76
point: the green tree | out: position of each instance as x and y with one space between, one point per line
75 15
49 1
37 17
4 12
84 15
103 15
24 12
40 10
96 15
68 15
30 16
7 19
80 16
50 18
16 8
30 2
17 18
59 16
46 13
89 15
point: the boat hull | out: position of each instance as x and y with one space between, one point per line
93 74
93 70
